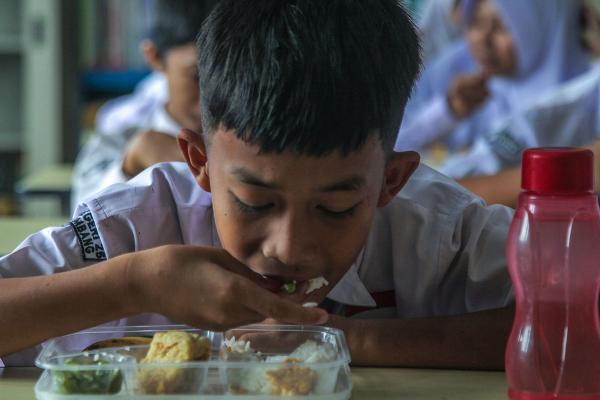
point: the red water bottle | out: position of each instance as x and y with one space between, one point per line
553 256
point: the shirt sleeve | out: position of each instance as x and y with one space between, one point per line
49 251
425 125
53 250
473 274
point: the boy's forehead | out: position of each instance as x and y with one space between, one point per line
235 155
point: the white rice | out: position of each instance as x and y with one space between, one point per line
315 284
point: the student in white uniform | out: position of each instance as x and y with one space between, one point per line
566 116
287 182
139 130
518 49
439 26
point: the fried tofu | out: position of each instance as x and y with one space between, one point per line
291 381
173 347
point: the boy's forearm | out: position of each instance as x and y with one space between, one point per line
149 148
468 341
37 308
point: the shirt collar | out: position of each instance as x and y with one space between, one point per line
350 290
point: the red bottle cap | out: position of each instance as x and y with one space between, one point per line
557 170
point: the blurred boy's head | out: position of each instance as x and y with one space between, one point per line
301 101
171 49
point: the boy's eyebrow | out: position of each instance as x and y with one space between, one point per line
347 185
248 177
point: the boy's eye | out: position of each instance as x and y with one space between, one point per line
338 214
249 208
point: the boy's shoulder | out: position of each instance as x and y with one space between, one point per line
162 205
164 185
430 190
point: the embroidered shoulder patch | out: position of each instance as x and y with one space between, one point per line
505 146
88 237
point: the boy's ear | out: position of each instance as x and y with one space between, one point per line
193 149
151 56
398 169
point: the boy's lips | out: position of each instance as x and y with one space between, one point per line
300 284
299 295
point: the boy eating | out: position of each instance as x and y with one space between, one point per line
292 179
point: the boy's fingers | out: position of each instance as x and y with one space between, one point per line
272 306
233 265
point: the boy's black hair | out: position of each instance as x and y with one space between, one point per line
177 22
310 76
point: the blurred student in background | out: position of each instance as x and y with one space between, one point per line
566 116
137 131
439 26
513 51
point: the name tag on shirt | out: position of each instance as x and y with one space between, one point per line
505 146
86 231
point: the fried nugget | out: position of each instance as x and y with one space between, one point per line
173 347
291 381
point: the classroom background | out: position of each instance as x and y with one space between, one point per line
60 60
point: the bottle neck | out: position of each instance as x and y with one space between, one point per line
559 204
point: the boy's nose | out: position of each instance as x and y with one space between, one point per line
291 243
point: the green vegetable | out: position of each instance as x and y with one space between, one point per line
88 381
289 287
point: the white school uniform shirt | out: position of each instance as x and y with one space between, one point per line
99 163
548 53
435 250
436 28
567 116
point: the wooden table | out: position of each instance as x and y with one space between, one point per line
54 181
13 230
369 384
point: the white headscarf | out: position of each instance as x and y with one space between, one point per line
437 29
548 52
546 35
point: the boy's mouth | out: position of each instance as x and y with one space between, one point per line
300 290
289 285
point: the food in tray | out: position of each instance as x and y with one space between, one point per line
96 381
238 350
172 347
120 342
177 346
291 379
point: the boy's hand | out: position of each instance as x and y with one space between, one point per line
467 93
209 288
